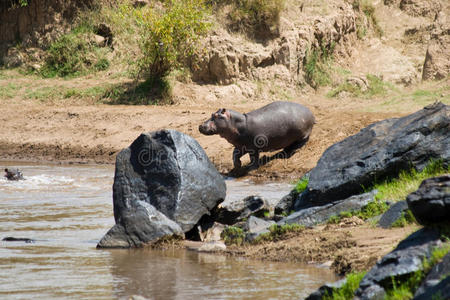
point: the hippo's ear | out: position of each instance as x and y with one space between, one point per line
226 113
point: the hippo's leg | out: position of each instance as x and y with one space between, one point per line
237 154
292 148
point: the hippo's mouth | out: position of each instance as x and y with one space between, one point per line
205 130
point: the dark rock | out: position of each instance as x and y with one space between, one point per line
232 211
254 227
14 239
406 259
438 291
286 204
163 184
431 202
394 213
326 289
13 174
437 281
379 151
319 214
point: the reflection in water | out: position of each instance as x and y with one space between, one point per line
67 209
182 274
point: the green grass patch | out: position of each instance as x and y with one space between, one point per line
9 91
278 232
372 209
408 181
232 235
376 87
347 291
302 184
47 93
317 65
394 190
150 91
406 218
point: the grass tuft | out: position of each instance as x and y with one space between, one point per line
233 235
278 232
408 181
317 65
302 184
347 291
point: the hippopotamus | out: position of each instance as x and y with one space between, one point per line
13 174
278 125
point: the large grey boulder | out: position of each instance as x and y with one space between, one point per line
318 214
140 224
163 184
379 151
437 282
404 260
431 202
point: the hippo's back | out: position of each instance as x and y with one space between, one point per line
281 122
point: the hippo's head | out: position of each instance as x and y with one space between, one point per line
217 124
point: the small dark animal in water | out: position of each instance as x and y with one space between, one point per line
14 239
13 174
278 125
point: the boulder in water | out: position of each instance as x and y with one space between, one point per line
163 184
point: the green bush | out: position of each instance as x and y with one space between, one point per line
73 55
170 36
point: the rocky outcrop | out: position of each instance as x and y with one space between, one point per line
319 214
228 58
37 23
379 151
406 259
437 58
430 204
163 184
425 8
232 211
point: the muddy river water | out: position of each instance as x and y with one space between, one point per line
66 209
